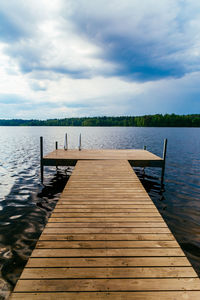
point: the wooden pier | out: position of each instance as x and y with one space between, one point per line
136 157
106 239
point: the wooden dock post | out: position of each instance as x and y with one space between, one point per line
79 148
164 160
56 146
41 160
66 142
145 148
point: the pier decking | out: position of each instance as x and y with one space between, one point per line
105 239
136 157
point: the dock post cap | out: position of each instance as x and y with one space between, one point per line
66 142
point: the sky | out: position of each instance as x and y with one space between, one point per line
74 58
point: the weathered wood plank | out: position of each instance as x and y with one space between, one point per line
99 229
178 261
163 295
174 284
105 244
103 214
108 272
162 227
105 206
104 210
107 237
106 220
107 252
103 202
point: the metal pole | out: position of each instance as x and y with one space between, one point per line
79 143
66 142
164 160
56 146
145 148
41 160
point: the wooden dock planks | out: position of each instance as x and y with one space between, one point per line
106 240
136 157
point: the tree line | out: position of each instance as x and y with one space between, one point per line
158 120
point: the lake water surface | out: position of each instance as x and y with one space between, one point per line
25 204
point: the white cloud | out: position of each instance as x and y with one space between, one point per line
12 81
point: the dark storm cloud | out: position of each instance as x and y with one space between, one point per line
158 45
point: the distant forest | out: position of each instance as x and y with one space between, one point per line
158 120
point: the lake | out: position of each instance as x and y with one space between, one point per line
25 204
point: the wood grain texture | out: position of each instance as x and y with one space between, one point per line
91 244
160 295
109 272
72 285
106 239
55 262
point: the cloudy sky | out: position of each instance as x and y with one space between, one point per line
69 58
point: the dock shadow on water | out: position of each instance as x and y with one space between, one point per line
21 225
